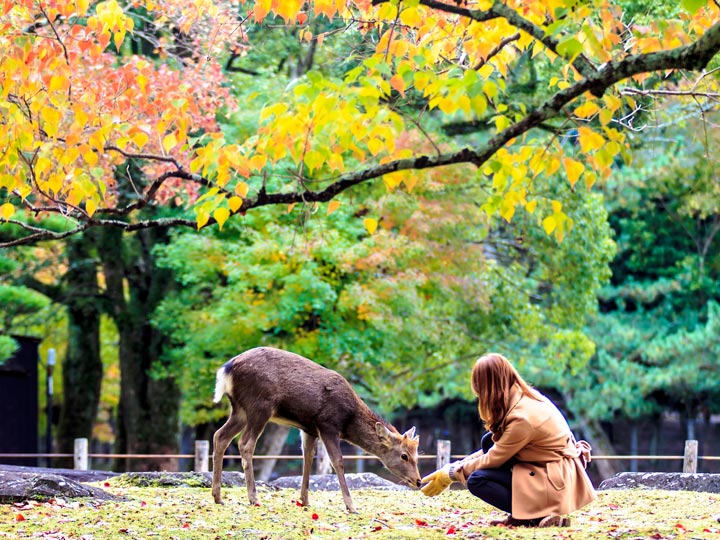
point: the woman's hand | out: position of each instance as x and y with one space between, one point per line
437 482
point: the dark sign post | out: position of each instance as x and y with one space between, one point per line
49 398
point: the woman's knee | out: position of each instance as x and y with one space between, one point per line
478 481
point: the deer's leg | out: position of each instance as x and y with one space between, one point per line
309 444
248 440
221 440
332 445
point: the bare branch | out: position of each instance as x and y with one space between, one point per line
497 49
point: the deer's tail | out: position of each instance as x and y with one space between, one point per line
222 384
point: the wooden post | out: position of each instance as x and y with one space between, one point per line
443 453
80 454
322 459
202 451
690 459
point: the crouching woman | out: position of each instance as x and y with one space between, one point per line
529 464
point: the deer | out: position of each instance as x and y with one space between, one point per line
265 384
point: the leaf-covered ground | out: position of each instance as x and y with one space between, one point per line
188 513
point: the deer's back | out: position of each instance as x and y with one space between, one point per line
297 390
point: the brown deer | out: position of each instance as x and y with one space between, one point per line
270 385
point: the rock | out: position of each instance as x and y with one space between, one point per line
21 486
709 483
182 479
72 474
328 482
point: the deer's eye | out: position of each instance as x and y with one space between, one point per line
404 457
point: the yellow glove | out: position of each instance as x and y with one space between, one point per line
437 482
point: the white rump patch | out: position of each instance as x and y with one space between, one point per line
222 384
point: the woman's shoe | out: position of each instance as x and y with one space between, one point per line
554 521
514 522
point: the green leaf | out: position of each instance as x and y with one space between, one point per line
693 5
569 48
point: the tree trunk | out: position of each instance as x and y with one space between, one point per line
149 407
82 368
273 440
601 445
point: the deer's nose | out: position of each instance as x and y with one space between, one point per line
418 482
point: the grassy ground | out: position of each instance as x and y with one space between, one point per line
189 513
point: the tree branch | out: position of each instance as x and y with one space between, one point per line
694 56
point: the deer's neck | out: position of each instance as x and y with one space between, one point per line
361 430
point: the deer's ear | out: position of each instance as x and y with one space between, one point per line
384 433
410 434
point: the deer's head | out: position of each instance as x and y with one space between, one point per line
399 453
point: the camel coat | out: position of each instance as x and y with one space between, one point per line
548 467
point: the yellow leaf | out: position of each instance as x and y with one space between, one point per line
612 102
242 189
573 169
589 139
89 155
530 207
375 146
332 206
90 207
549 224
411 16
590 178
553 164
290 207
51 118
410 181
605 116
586 109
58 82
258 161
6 211
448 105
234 203
507 210
169 142
201 218
221 215
370 224
392 180
140 139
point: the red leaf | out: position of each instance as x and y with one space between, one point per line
680 527
186 525
451 530
19 517
376 528
298 503
421 522
315 516
106 484
143 504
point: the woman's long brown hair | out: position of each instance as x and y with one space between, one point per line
492 379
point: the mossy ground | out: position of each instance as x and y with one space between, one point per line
190 513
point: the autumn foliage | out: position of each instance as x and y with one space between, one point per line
80 99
